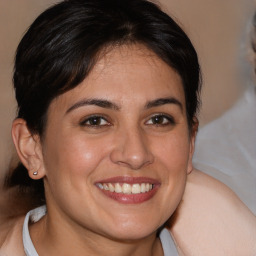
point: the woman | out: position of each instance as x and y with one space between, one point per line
107 96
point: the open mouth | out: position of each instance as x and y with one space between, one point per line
126 188
129 190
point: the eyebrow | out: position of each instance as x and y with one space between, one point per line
96 102
163 101
110 105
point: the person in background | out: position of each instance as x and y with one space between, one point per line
226 147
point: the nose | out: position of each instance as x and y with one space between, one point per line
131 149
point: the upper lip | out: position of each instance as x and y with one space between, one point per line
129 180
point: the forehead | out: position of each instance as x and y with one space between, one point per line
128 72
134 61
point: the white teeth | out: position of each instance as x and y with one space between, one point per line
136 188
118 188
105 186
143 188
111 187
126 188
101 186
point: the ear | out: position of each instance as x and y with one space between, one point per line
28 147
192 139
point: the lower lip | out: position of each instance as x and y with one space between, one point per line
131 198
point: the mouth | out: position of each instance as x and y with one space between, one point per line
130 190
126 188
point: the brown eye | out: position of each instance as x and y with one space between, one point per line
160 120
95 121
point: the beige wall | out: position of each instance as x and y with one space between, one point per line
215 27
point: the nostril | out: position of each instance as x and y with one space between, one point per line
132 160
131 149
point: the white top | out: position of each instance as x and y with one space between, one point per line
35 215
226 148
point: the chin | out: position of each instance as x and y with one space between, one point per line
134 229
130 235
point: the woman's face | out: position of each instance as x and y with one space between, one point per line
117 149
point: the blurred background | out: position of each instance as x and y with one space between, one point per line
218 29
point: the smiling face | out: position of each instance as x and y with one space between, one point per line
117 150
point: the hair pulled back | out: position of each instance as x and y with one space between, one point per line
64 42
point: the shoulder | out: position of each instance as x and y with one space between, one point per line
11 237
14 204
212 220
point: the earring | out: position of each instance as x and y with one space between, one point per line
35 173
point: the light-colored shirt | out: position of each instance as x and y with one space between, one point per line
226 148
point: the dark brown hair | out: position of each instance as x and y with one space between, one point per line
63 43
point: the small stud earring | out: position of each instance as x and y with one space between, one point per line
35 173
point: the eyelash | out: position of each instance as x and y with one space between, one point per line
166 120
96 120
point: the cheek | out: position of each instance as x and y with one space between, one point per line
71 163
174 153
173 156
173 162
72 156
